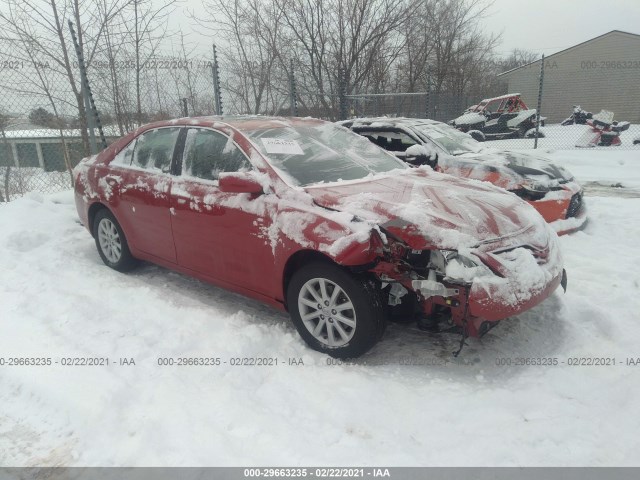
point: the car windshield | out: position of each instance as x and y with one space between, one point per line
449 139
321 153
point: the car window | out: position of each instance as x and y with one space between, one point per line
452 141
208 153
310 153
392 141
154 149
125 155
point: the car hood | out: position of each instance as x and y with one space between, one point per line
513 168
427 209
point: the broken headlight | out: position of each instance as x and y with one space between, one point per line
457 266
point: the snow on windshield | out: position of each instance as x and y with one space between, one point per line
449 139
324 153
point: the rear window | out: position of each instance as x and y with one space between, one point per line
154 149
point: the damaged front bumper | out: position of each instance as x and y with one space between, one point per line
512 284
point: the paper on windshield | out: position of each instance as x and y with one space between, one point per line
279 145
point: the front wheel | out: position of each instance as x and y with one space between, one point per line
334 311
111 243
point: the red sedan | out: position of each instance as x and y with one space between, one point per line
314 219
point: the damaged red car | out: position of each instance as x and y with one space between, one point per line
316 220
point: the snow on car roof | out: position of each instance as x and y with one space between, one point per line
383 122
240 122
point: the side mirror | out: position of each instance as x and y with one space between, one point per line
420 155
239 182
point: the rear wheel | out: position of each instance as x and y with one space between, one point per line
111 243
477 135
334 311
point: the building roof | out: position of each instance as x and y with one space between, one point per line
570 48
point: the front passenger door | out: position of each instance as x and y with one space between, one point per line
221 235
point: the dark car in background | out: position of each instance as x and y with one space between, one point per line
549 188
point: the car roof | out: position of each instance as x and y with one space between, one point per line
382 122
240 122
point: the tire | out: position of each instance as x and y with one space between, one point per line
522 131
477 135
356 331
111 242
531 133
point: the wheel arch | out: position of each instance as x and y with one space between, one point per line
295 262
93 211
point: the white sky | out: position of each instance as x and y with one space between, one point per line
547 26
542 26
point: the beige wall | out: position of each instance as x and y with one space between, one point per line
600 74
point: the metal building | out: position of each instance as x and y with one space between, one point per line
600 74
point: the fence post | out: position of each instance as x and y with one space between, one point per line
215 70
535 143
93 119
428 106
342 94
185 107
293 101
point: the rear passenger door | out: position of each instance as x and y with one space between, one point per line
144 193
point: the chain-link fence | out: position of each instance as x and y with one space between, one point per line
39 132
583 103
44 117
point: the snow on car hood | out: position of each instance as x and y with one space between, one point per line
431 210
513 167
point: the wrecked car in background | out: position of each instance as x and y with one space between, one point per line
550 189
308 217
499 118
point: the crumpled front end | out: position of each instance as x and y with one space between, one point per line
463 251
475 287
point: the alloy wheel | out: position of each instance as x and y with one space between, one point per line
109 239
327 312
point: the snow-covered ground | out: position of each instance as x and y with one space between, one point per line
57 300
617 167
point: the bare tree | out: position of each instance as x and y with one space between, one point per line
41 27
252 31
516 58
460 46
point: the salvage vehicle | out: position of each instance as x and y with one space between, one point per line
499 118
578 117
550 189
311 218
603 131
